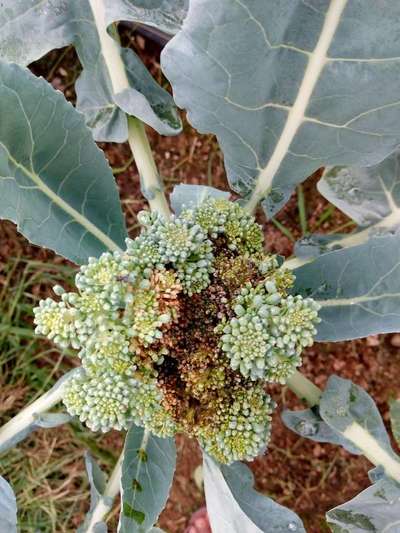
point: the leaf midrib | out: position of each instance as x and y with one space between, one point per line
316 63
63 205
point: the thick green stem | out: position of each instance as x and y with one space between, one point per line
105 503
358 435
151 184
304 389
295 262
152 188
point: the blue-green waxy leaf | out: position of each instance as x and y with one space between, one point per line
55 184
395 419
375 510
358 289
97 483
370 196
308 424
349 410
31 28
8 508
347 416
147 471
315 244
191 196
44 420
233 505
289 86
377 473
166 15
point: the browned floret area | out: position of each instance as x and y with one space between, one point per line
195 377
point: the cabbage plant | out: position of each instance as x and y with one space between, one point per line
180 329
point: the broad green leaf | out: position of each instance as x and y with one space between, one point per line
375 510
97 483
8 508
316 244
10 438
147 471
358 289
395 419
31 28
376 474
191 196
55 184
308 424
233 505
349 410
166 15
370 196
289 86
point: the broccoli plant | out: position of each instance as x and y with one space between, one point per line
181 329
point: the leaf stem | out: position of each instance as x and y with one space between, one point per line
151 185
301 205
372 450
296 262
26 417
109 49
104 505
304 389
358 435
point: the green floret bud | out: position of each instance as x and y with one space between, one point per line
107 277
281 367
177 242
241 430
246 342
56 321
103 401
148 411
194 274
144 253
91 312
211 216
268 263
221 217
176 239
269 332
109 349
294 328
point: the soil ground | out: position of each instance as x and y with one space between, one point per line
47 470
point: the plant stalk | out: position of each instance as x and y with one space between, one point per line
295 262
26 417
105 503
151 184
306 391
